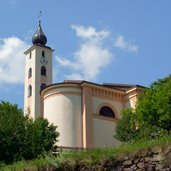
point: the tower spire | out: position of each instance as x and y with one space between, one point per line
39 37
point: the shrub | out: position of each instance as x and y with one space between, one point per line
21 137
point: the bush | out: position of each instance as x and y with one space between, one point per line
152 116
40 137
154 107
21 137
12 130
126 128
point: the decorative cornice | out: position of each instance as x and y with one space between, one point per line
34 46
107 93
93 85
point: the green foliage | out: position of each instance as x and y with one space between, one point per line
40 136
126 128
11 131
21 137
152 115
154 107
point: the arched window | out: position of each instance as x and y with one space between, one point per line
43 53
43 85
29 90
30 73
107 111
43 71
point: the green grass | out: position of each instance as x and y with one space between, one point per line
33 165
87 157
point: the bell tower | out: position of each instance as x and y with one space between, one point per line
38 73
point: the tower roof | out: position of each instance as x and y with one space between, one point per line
39 37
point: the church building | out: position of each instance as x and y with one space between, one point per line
86 113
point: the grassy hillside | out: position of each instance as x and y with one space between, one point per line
88 158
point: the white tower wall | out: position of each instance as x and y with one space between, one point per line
33 105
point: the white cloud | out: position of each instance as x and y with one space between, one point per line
12 60
122 44
91 56
65 62
90 32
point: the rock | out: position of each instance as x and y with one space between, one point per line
142 159
150 168
133 167
156 157
127 163
126 158
148 159
155 151
140 165
136 160
143 153
159 167
116 169
127 169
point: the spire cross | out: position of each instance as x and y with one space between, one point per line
39 16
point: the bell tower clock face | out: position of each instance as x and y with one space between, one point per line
43 60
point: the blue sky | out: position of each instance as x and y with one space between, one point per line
101 41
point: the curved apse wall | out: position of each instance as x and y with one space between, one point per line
62 107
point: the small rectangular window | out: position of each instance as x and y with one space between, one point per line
30 55
43 53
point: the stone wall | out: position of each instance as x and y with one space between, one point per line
157 159
148 160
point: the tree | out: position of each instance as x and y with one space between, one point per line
40 137
152 116
11 131
21 137
126 128
154 107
